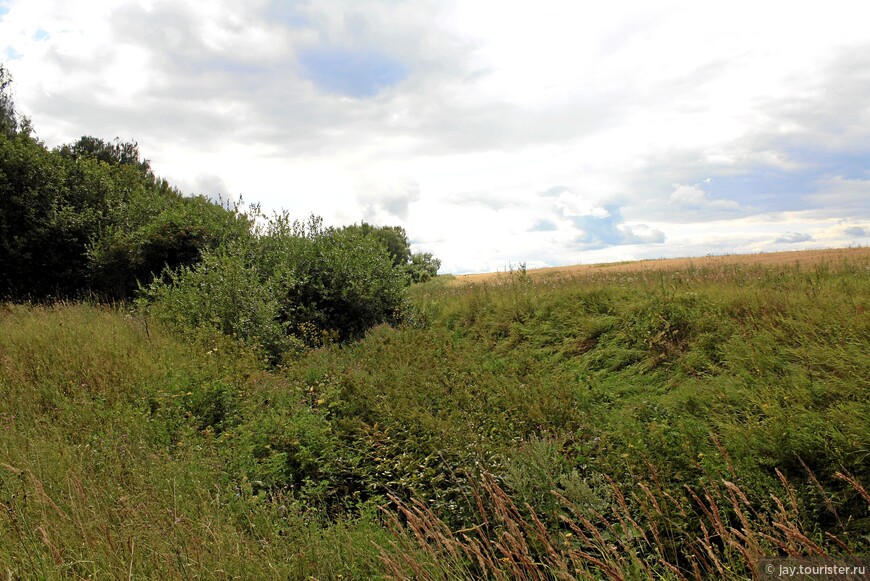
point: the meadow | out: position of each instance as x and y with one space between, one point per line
647 423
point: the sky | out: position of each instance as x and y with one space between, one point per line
497 134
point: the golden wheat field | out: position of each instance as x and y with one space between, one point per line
791 258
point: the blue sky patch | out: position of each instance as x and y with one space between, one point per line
352 73
851 165
768 190
544 225
611 230
604 230
289 13
12 54
41 35
775 189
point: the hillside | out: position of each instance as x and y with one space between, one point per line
632 422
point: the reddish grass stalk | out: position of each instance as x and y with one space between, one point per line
510 544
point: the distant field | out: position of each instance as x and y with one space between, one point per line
803 257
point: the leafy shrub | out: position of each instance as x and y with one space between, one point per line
295 284
76 223
91 217
286 447
423 266
224 292
336 280
42 237
158 232
419 266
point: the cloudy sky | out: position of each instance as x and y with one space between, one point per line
496 133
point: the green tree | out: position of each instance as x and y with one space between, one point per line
393 238
423 266
113 152
8 116
341 281
225 291
91 216
42 237
157 230
420 267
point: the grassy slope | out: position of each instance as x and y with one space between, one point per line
105 472
125 450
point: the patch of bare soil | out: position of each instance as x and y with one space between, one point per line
831 256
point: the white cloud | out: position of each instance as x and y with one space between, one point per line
794 238
572 204
384 202
462 113
690 203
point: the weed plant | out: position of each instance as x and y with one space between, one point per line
112 463
676 424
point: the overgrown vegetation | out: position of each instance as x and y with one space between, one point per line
289 287
90 219
674 424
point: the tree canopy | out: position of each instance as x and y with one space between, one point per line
8 116
90 218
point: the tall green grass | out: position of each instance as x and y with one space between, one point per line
110 466
673 424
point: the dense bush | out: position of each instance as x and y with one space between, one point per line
295 284
76 224
423 266
157 232
42 237
420 266
90 217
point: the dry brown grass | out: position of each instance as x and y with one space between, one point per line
635 540
803 257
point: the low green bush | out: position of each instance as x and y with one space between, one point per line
291 286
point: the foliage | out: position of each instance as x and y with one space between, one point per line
8 116
158 231
394 238
423 266
420 266
42 236
224 292
111 460
335 280
295 284
112 153
91 217
73 224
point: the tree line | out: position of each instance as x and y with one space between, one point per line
91 219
